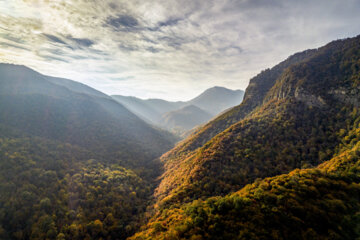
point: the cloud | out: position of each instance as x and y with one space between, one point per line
122 78
52 58
170 22
122 22
11 38
9 45
53 38
82 42
153 49
181 47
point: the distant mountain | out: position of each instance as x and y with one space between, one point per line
213 101
16 79
234 178
139 107
71 159
216 99
71 112
162 106
76 86
185 118
151 110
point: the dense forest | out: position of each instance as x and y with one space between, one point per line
52 190
74 164
315 203
284 164
297 124
307 114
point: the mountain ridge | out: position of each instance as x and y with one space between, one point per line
267 168
47 102
71 157
274 112
213 100
185 118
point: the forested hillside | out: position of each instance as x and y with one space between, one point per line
308 114
52 190
296 124
316 203
39 105
74 164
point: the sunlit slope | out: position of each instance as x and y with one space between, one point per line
316 203
298 123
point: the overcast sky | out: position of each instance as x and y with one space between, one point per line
165 48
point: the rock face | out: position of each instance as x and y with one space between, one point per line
299 114
348 96
283 108
309 99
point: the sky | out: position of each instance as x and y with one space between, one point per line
169 49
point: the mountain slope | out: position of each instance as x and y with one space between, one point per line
308 115
216 99
184 119
74 163
213 100
253 97
16 79
52 190
150 109
320 203
33 104
139 107
163 106
297 124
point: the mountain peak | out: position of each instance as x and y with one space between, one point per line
217 99
208 104
220 89
191 108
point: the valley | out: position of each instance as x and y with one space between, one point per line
181 117
278 161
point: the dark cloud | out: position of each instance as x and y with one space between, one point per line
113 5
170 22
99 52
12 39
146 39
128 48
153 50
7 45
69 41
82 42
55 51
52 58
174 42
167 23
252 4
53 38
78 57
123 22
230 50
